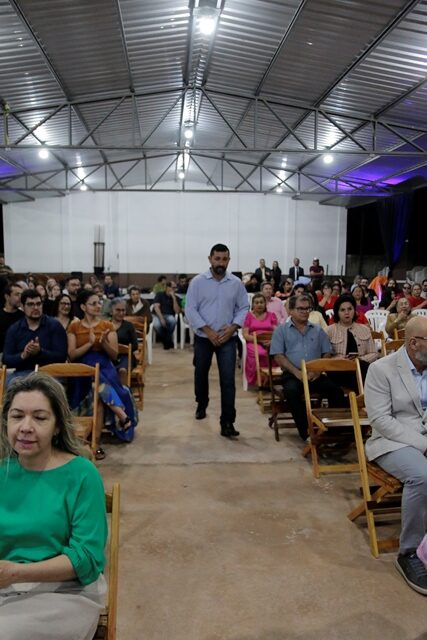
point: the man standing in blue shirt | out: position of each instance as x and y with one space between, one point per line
35 339
216 306
296 340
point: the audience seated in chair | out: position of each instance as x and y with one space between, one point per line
137 306
294 341
165 308
126 334
350 340
396 402
398 320
51 550
11 311
258 320
93 340
274 305
34 339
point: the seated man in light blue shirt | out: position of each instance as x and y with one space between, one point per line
396 402
296 340
216 306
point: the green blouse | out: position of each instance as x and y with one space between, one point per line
44 514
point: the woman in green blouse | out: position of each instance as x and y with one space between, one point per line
53 526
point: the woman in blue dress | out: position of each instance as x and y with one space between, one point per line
92 340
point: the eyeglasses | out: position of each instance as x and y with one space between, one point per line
420 337
94 304
406 286
305 309
33 304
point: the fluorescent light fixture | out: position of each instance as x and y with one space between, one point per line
83 187
282 175
81 173
284 161
43 153
279 189
328 158
207 25
183 160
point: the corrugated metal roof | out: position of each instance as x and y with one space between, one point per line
138 71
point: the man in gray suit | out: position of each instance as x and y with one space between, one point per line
396 402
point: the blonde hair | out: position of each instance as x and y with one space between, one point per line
66 438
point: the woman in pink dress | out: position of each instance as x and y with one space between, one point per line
258 320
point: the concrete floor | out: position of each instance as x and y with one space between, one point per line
235 540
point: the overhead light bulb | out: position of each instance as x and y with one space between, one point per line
81 173
328 158
188 133
279 189
181 175
43 153
284 161
83 187
207 25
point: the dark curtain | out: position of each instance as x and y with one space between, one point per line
393 215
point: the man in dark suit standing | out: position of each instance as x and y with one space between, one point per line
263 273
295 272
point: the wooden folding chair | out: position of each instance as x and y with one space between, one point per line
263 373
281 417
126 349
138 372
3 372
383 497
329 427
106 629
399 334
87 427
391 346
378 338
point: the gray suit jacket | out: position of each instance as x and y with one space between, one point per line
394 407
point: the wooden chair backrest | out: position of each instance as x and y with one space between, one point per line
326 365
265 336
3 372
139 322
78 370
126 349
108 619
399 334
392 345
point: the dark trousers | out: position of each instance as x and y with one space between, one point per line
294 394
226 360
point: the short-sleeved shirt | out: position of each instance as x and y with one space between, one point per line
296 346
82 333
165 302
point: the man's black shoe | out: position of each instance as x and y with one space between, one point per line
413 571
228 430
200 413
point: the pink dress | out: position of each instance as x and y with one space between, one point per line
259 326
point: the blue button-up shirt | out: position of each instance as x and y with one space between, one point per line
215 303
420 379
313 343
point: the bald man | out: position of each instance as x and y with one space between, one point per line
396 402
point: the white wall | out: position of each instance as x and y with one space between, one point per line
171 232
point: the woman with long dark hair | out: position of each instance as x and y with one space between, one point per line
92 340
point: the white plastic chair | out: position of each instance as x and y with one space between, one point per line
151 339
377 319
244 351
183 328
420 312
329 313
